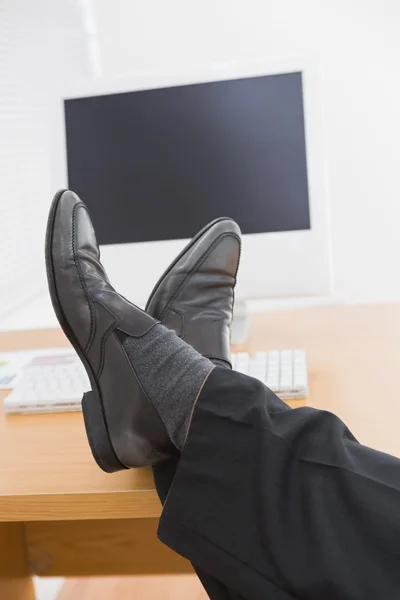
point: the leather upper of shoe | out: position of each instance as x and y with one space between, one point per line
195 296
92 315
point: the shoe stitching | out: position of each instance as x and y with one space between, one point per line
121 328
182 321
178 258
202 258
104 338
81 278
110 329
137 337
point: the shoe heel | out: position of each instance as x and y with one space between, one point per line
97 433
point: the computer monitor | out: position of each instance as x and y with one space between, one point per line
156 160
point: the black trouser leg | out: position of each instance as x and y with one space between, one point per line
279 503
163 476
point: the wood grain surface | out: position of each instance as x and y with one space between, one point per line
115 547
15 579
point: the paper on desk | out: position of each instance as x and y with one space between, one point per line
10 365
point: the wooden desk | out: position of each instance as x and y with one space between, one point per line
61 515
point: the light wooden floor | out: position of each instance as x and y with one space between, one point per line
161 587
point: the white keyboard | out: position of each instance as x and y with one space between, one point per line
55 382
50 383
283 371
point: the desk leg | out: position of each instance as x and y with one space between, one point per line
15 580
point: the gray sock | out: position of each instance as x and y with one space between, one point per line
172 374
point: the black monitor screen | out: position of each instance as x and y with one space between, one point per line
159 164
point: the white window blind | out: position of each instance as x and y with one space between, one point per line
41 44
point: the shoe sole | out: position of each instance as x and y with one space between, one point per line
192 242
92 406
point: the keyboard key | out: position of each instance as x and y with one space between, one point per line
284 372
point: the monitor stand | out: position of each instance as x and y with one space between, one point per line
240 323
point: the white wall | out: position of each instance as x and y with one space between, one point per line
356 43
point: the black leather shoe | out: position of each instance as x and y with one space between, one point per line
123 428
195 295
